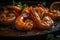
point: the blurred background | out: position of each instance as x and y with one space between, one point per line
8 2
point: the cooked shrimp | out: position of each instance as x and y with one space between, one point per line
7 18
23 25
54 15
14 9
40 11
58 14
41 24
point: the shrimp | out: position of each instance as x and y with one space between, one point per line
7 18
23 25
41 24
52 15
40 11
55 15
14 9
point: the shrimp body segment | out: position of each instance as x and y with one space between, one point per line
42 24
23 25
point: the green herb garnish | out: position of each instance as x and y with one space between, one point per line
50 37
13 3
19 4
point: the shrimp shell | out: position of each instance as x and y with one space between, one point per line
21 25
40 24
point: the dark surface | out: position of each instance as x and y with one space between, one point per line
25 38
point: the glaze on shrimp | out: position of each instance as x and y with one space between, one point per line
7 19
23 25
41 24
54 15
14 9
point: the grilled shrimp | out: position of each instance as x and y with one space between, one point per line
52 15
22 24
41 24
7 18
40 11
14 9
55 15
